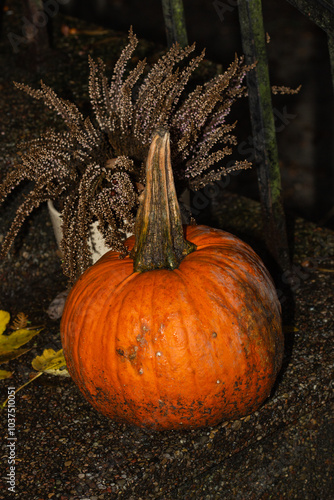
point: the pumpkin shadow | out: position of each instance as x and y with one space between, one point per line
285 283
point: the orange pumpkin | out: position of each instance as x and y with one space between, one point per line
186 345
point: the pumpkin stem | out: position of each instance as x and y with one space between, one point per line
160 242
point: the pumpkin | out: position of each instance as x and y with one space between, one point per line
183 332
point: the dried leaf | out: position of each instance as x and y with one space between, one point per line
4 320
51 362
21 321
5 374
55 309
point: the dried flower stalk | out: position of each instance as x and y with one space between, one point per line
97 165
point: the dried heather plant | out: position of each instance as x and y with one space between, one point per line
97 165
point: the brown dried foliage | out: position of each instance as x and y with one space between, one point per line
97 164
21 321
282 89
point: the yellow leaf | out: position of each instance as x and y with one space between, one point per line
290 329
60 372
4 320
11 342
51 362
4 374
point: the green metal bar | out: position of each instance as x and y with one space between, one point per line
331 55
263 127
174 22
321 12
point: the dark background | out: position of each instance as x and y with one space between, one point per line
297 54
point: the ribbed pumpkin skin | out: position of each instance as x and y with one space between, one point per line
176 349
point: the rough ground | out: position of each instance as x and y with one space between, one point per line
65 450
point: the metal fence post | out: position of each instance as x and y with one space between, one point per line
174 22
264 135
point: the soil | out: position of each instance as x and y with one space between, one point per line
64 448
